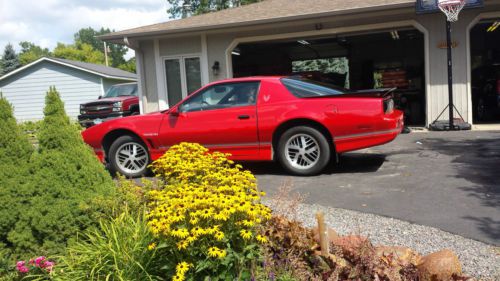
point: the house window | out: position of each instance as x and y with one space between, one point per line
183 77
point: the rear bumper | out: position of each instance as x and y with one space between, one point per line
391 126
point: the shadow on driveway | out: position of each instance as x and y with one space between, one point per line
349 164
477 161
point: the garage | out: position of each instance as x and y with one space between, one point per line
485 67
379 59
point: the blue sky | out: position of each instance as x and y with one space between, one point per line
46 22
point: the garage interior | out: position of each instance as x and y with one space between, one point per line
382 59
485 67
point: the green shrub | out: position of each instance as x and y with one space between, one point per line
15 152
65 181
116 250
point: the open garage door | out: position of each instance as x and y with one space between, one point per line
382 59
485 67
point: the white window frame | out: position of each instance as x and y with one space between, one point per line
182 60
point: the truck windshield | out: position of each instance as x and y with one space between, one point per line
121 90
304 88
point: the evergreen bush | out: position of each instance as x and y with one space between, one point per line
15 152
66 180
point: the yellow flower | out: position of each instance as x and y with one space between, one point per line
213 252
182 268
219 235
182 245
179 278
261 239
248 223
180 233
152 246
245 234
197 231
191 238
221 254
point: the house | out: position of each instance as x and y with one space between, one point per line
77 82
357 43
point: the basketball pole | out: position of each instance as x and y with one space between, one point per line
451 106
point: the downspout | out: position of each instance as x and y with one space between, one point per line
139 66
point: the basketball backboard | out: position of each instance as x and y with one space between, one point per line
431 6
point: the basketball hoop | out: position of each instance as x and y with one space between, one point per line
451 8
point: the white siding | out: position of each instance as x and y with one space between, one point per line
26 90
438 95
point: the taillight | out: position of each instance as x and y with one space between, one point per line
388 106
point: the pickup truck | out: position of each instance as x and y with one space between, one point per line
120 100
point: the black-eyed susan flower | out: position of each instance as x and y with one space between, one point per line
245 234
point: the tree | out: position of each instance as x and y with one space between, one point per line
129 65
15 153
184 8
79 52
9 61
31 52
89 36
65 188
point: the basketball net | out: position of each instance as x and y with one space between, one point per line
451 8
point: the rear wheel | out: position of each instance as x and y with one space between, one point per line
128 156
303 151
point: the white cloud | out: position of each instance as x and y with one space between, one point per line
50 21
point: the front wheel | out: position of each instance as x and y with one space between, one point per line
129 157
303 151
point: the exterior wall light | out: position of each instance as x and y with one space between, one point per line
216 68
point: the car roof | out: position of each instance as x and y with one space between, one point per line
247 79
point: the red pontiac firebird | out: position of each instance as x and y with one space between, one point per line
299 122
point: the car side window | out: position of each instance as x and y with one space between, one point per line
222 96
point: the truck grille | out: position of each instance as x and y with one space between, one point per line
98 109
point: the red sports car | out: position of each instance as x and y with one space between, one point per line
299 122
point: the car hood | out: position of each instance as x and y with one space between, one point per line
110 100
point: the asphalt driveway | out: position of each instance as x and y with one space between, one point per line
448 180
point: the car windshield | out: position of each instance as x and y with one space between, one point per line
304 88
121 90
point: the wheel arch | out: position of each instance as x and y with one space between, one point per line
283 127
111 136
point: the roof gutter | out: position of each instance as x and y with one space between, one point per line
120 35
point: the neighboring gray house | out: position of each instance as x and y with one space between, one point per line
380 39
77 82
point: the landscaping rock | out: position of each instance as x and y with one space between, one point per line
397 255
439 266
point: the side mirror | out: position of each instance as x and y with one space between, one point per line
174 112
99 97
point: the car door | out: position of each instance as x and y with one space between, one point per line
221 117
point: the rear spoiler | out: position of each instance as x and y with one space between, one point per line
371 93
385 92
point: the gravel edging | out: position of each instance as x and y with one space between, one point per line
478 259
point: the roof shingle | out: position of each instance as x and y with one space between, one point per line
268 10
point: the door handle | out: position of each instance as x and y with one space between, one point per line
244 117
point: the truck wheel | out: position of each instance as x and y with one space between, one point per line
128 156
303 151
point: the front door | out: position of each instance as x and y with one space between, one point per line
222 117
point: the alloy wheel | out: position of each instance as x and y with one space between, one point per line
302 151
131 157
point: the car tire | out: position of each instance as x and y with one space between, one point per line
129 156
303 151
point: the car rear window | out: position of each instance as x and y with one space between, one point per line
306 88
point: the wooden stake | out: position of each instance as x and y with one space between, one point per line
323 234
